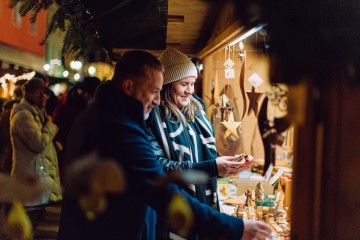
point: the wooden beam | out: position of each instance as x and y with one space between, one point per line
176 19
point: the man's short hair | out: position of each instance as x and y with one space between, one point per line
134 65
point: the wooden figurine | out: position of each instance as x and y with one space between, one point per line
259 192
248 197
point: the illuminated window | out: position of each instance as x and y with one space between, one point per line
16 15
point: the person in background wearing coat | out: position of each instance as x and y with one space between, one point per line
5 142
185 133
32 133
121 105
65 114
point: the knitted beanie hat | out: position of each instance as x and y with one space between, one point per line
177 66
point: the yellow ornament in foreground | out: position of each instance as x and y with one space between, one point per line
18 224
180 215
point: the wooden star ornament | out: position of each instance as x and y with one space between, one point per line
253 101
231 127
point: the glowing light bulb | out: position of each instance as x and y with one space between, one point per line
47 67
92 70
241 45
66 73
77 77
75 65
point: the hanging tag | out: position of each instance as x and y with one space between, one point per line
255 80
229 63
229 73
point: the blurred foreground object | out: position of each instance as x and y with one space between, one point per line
184 178
307 39
89 179
24 188
180 215
18 224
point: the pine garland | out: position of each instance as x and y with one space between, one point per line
81 36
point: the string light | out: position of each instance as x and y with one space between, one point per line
14 79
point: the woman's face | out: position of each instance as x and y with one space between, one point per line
181 91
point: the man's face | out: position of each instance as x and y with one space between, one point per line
39 98
148 90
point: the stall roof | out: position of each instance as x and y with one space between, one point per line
155 24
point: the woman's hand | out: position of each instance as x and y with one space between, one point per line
227 166
247 160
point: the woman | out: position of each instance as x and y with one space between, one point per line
184 132
32 133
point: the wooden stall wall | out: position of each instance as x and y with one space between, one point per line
215 85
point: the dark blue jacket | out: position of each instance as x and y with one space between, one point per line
121 136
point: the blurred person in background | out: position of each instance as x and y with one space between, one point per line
65 114
5 143
32 133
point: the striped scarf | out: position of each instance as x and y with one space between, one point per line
194 142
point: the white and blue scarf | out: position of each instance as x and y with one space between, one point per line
194 142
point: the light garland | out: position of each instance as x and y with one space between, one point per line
14 79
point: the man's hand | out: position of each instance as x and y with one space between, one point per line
256 230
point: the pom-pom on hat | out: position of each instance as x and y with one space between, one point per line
177 66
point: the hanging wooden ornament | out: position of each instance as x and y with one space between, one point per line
216 86
253 101
229 65
231 127
229 70
242 85
253 96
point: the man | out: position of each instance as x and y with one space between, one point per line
120 108
52 101
32 133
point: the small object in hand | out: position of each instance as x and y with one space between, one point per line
242 157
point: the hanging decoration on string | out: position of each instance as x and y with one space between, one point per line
216 92
229 67
253 96
242 56
232 126
227 101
